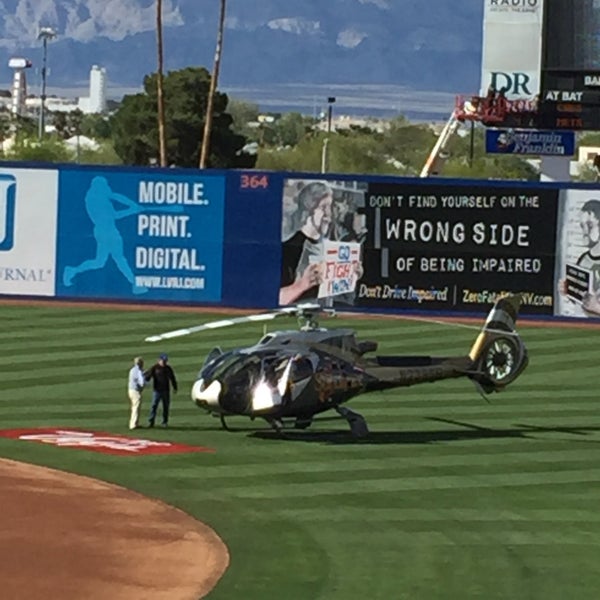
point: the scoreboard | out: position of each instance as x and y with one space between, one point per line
570 78
571 40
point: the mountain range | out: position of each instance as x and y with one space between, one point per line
414 45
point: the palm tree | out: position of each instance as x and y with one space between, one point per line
213 87
162 144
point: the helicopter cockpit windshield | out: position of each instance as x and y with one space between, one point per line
215 368
270 365
239 382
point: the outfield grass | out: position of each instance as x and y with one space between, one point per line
449 498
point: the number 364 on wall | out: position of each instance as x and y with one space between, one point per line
254 181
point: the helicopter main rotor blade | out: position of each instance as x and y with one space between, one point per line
305 310
291 311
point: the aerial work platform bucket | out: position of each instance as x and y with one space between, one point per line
496 110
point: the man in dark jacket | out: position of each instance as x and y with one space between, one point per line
163 377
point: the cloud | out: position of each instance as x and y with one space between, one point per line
295 25
237 24
382 4
350 38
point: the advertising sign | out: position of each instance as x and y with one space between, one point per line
143 235
322 232
455 247
421 246
512 47
578 256
538 143
28 207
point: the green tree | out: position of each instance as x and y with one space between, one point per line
132 127
243 114
96 126
482 165
589 138
358 152
135 124
67 124
587 173
408 144
48 149
291 128
104 155
348 152
24 127
5 126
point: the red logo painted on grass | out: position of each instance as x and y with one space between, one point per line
98 441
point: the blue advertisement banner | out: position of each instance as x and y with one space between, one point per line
530 142
252 248
140 235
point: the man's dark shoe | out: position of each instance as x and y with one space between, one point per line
151 424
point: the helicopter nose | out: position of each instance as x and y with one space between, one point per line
206 396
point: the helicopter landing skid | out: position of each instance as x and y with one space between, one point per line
301 423
224 423
358 425
276 424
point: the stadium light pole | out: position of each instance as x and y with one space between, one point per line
45 34
330 102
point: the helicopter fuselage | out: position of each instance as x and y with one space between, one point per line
302 373
299 374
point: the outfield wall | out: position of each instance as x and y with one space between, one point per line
215 238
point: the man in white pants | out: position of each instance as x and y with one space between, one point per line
135 386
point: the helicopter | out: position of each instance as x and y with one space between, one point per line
293 375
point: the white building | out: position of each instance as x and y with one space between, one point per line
53 104
19 88
96 101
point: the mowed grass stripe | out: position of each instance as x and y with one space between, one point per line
466 516
372 479
344 465
378 485
457 537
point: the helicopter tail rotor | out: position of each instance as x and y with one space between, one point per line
499 355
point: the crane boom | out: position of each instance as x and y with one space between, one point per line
438 155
